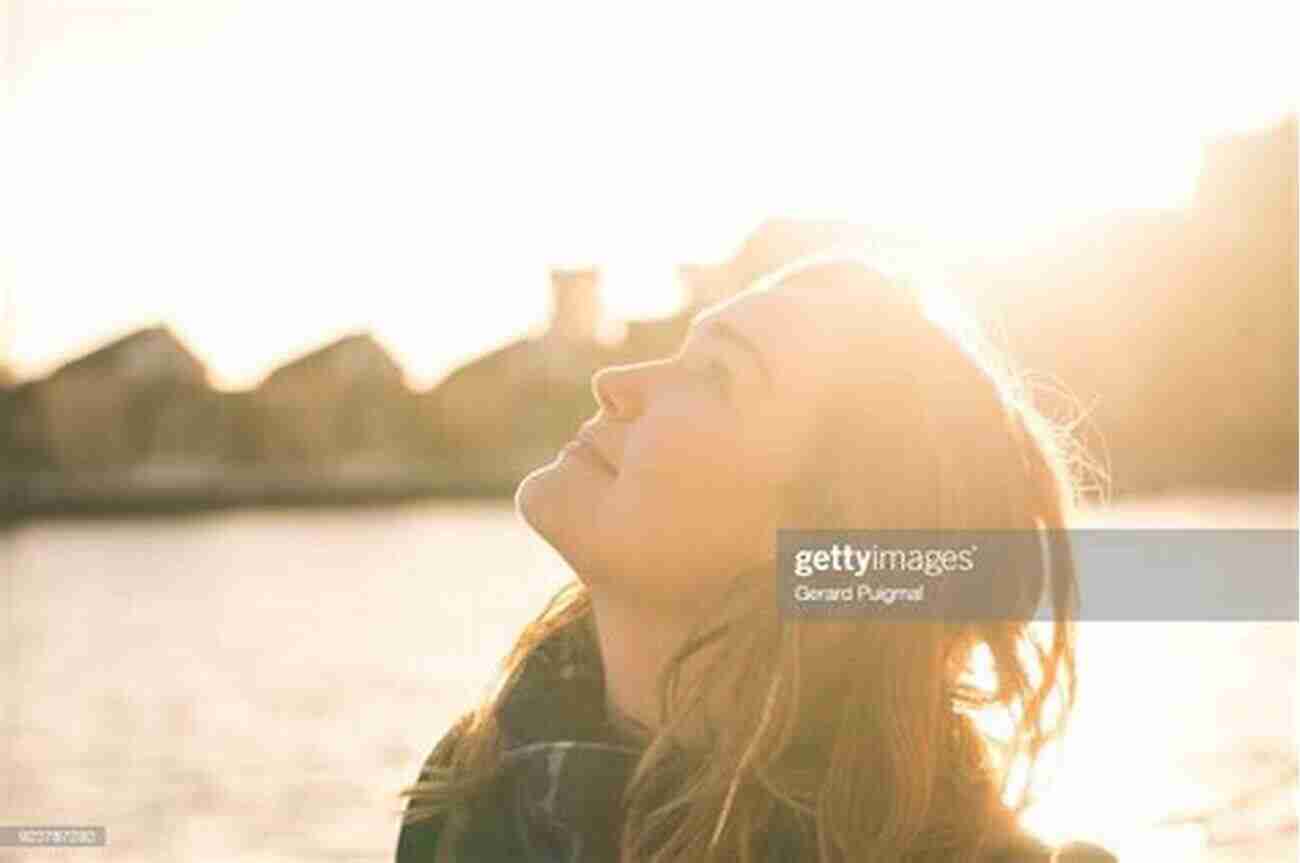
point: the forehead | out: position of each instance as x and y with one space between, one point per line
807 324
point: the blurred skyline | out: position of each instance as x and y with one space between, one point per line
265 177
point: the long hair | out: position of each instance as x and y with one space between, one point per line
927 428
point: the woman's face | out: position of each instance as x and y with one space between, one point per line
695 450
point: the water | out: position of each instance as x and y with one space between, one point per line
257 686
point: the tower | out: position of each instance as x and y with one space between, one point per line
705 283
575 305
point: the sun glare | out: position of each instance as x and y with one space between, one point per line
263 206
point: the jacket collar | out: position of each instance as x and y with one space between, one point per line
567 768
566 765
559 695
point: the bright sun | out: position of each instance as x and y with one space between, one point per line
264 176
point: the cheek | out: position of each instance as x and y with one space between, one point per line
698 484
673 462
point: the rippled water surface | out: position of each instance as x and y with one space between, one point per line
257 685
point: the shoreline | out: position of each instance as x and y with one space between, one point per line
116 494
175 490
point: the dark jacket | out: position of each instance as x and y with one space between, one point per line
565 767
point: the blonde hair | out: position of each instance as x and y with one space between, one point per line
905 773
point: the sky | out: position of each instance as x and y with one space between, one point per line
266 176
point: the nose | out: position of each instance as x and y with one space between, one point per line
620 390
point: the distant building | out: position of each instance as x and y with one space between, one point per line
706 284
774 244
652 338
505 410
1174 333
570 345
344 400
575 305
25 443
139 398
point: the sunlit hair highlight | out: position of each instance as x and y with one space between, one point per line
871 736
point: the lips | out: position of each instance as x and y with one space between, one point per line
588 445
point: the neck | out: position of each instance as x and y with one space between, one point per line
635 645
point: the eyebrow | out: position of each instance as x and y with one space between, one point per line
729 333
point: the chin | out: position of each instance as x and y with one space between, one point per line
545 499
533 500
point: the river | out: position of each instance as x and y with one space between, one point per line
257 685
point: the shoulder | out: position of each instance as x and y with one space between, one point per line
418 840
446 745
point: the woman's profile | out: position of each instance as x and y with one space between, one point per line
662 708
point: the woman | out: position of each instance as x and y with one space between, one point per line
662 708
